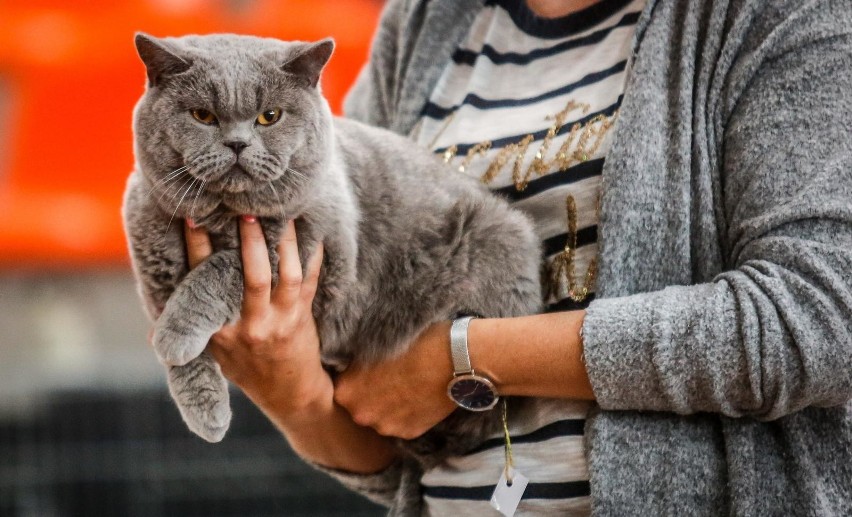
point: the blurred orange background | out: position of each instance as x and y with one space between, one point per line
69 78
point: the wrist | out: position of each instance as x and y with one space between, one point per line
469 388
484 352
536 356
294 399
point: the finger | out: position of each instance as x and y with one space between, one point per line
257 273
312 273
198 245
289 268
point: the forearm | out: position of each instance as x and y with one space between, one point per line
534 356
323 433
406 395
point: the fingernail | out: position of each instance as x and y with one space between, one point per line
249 218
190 223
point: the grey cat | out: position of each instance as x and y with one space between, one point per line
232 125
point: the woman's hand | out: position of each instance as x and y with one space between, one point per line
404 396
272 351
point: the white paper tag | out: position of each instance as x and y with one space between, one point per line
506 498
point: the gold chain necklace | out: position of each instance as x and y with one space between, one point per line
562 267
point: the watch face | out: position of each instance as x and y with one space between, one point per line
473 392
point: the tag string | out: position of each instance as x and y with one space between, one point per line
510 462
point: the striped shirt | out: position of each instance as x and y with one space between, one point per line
527 105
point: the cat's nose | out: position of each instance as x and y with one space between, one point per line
237 145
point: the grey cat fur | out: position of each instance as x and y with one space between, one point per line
407 241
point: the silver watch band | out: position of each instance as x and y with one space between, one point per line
458 345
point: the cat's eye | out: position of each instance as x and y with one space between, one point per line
269 117
204 116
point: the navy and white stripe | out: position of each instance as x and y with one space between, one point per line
505 83
437 112
468 57
547 444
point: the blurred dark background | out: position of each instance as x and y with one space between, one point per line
86 425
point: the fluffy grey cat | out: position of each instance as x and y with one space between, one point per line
232 125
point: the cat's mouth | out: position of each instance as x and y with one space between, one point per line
235 181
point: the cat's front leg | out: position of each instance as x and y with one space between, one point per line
201 304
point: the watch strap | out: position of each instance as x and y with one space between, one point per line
458 345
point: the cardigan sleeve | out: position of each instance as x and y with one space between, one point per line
381 488
772 334
372 98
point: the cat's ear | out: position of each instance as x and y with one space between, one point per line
160 58
308 61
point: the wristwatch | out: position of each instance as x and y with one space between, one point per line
467 389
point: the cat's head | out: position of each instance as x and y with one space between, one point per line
231 124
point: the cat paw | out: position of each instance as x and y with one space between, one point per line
201 394
176 348
211 422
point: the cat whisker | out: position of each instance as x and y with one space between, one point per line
179 202
166 191
175 174
197 194
168 187
171 176
296 173
178 170
272 188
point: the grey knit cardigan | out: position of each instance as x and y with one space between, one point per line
720 345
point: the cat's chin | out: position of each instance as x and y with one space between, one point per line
231 184
244 203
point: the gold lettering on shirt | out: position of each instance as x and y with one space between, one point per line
580 144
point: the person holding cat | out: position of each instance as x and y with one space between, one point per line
697 352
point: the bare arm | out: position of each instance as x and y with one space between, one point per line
535 356
272 354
